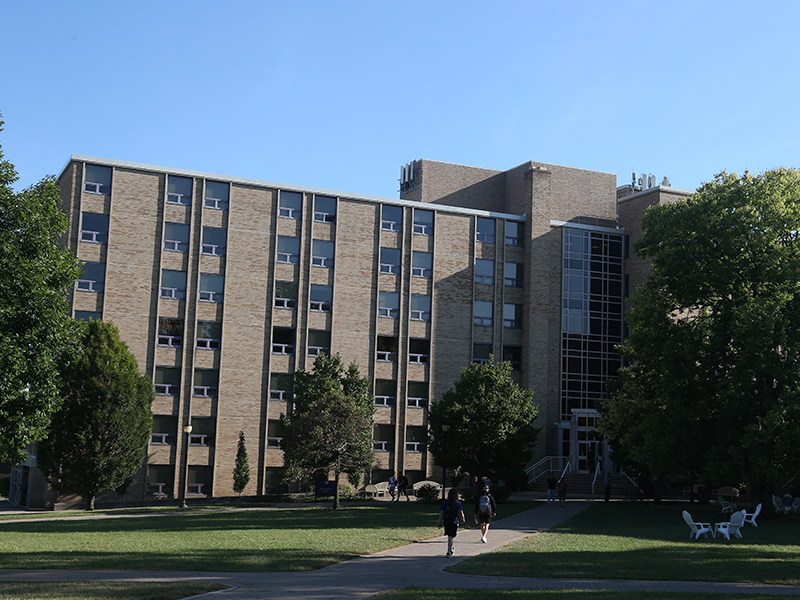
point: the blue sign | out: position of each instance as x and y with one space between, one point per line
325 488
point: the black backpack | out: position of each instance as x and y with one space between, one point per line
451 512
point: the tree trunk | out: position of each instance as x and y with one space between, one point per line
90 502
336 490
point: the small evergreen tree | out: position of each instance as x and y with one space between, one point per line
99 436
241 472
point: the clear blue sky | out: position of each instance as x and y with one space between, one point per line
339 94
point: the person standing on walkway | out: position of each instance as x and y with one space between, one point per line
392 485
552 482
562 493
402 487
485 509
448 515
607 481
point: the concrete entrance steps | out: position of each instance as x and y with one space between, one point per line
580 486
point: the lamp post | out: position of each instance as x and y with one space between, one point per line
445 429
187 429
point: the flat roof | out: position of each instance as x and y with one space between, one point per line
289 187
657 188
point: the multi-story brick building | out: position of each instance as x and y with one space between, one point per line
223 286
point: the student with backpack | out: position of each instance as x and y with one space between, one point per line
485 509
449 513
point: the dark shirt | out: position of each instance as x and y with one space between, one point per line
459 510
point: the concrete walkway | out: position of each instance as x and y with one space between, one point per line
419 564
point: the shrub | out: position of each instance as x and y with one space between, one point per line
428 493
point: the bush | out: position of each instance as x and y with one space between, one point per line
428 493
469 497
347 491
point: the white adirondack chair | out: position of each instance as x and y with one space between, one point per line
777 504
733 527
697 528
727 505
751 517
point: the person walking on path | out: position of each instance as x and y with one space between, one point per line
392 485
485 509
552 482
448 515
402 487
562 493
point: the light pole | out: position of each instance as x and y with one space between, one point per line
445 429
187 429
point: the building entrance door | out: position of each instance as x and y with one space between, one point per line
588 449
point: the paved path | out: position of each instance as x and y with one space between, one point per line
417 564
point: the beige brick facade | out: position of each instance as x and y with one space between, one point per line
246 364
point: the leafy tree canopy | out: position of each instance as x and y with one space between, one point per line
35 327
491 423
714 348
329 429
99 437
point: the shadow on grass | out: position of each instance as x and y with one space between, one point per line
362 517
416 593
104 590
216 560
672 564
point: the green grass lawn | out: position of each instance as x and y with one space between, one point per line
103 590
648 541
482 594
143 510
296 539
616 540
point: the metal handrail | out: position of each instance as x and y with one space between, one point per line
551 463
633 483
566 467
596 471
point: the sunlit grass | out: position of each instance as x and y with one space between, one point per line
142 510
296 539
647 541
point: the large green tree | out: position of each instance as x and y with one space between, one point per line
99 437
329 428
713 382
490 418
35 327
